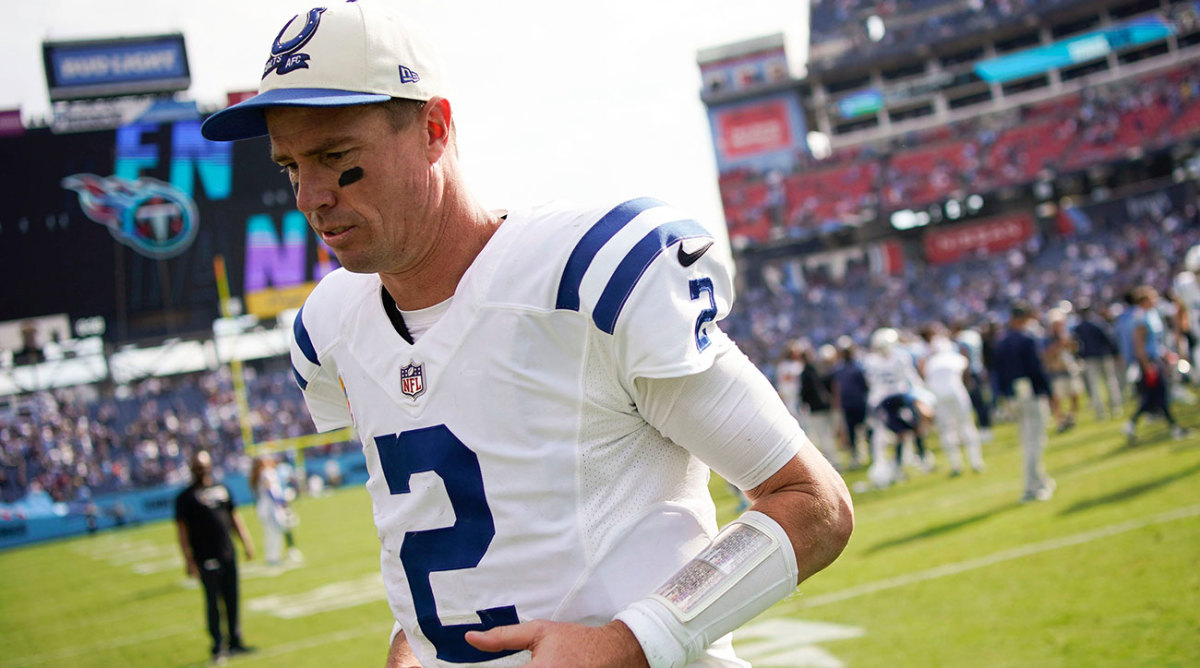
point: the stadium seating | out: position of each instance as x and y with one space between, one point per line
1071 132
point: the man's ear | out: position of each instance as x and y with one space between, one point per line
437 118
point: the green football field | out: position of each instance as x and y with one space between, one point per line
940 572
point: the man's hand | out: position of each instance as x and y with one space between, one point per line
556 644
190 568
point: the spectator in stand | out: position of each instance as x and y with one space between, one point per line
1154 363
1098 353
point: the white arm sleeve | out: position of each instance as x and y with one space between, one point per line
728 416
745 570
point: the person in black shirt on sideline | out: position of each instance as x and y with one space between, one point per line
205 516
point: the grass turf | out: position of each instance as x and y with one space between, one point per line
940 572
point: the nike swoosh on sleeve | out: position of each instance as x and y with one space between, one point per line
688 259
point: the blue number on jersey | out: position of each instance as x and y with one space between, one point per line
699 286
452 548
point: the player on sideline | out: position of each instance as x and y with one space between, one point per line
535 389
896 409
1187 287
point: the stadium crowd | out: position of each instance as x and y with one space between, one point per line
1088 266
69 444
907 23
1101 124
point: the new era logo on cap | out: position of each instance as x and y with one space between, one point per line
408 76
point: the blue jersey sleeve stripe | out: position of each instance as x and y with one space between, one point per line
303 340
299 379
636 262
593 240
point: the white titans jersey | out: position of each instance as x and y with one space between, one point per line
512 476
944 373
787 383
889 373
1188 289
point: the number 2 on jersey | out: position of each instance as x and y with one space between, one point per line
698 287
452 548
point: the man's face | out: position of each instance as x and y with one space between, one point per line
364 186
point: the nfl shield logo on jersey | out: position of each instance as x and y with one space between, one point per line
412 379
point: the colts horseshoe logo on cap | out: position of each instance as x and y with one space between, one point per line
284 58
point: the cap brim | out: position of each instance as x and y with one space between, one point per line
245 120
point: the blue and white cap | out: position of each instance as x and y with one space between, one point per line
351 53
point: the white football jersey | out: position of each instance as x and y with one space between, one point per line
787 383
512 476
1188 289
888 373
944 373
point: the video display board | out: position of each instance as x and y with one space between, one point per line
124 224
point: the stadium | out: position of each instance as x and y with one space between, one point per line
931 163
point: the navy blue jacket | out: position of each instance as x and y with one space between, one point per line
852 385
1094 341
1017 356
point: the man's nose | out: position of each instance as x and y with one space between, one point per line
314 189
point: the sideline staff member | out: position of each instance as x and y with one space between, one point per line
1022 379
204 516
535 389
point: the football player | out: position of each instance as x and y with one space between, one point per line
898 403
1187 290
539 392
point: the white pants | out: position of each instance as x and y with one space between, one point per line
1030 413
1102 372
882 471
269 516
955 422
819 427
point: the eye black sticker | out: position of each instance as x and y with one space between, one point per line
349 176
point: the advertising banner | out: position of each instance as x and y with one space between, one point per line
944 245
1081 49
111 67
762 133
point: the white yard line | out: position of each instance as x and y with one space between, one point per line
381 636
111 643
998 557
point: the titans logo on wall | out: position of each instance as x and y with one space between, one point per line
154 218
284 52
